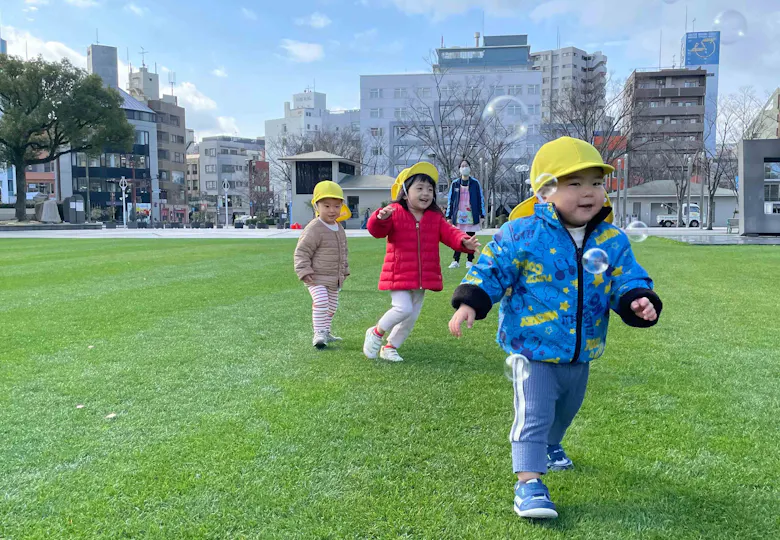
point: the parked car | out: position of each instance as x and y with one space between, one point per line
670 219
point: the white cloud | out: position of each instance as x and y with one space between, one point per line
30 9
39 2
136 9
368 42
24 44
315 20
443 8
298 51
361 38
82 3
249 14
551 9
219 72
190 96
221 125
165 69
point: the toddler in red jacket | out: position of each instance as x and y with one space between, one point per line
414 226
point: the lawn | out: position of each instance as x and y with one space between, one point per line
229 424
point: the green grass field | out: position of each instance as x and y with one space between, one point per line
230 425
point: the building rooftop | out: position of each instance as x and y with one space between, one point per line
132 104
318 156
367 181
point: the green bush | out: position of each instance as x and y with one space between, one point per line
270 221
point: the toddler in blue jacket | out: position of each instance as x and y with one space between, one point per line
554 316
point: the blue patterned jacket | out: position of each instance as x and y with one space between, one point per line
551 309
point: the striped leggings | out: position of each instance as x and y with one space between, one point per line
325 301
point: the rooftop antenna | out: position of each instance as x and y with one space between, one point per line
686 18
483 27
694 25
144 52
97 36
660 48
172 80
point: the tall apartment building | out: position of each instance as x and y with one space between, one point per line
309 115
667 113
193 176
227 159
172 160
565 69
102 61
766 125
477 75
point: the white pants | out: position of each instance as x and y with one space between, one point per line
400 319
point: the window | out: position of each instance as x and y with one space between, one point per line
654 104
356 126
566 54
211 169
308 113
400 131
163 175
771 192
141 137
498 90
536 109
377 151
178 139
308 127
377 132
399 93
772 171
346 168
233 152
224 151
227 169
177 177
309 173
693 121
424 92
556 57
691 84
174 121
163 154
375 113
162 136
284 128
566 66
375 93
515 89
555 70
399 113
211 185
399 150
514 110
659 121
178 157
533 89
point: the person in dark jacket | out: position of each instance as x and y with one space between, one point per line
465 207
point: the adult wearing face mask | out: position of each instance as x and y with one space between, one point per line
465 207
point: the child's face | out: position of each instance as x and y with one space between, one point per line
329 209
420 195
580 196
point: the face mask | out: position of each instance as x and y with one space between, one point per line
465 171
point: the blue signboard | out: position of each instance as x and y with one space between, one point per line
702 48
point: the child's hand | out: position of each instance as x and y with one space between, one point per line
471 243
386 212
464 314
644 309
308 280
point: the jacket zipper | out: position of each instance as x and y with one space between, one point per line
580 293
419 254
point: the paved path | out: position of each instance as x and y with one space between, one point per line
717 236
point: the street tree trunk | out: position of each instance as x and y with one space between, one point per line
21 191
710 211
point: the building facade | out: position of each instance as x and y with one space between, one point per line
766 125
171 155
667 117
565 69
226 159
102 61
407 115
193 176
97 177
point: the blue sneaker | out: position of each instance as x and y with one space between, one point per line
532 500
557 460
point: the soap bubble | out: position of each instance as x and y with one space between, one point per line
505 117
732 26
637 231
516 368
548 185
595 261
522 168
670 2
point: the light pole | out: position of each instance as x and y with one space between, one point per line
123 187
225 186
617 198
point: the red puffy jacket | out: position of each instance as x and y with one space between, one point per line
412 258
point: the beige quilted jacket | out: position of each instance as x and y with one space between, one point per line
322 254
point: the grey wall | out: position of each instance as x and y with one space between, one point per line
751 187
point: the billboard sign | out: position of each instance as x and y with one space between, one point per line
702 48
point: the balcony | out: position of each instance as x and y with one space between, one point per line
672 111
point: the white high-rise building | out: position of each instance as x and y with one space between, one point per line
144 85
566 68
308 115
102 61
500 70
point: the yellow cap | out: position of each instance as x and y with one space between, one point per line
423 167
330 190
558 158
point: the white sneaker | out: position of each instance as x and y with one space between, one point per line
372 343
469 265
333 339
390 354
453 265
320 339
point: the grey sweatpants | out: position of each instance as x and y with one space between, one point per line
547 398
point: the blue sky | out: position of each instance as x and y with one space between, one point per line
236 62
